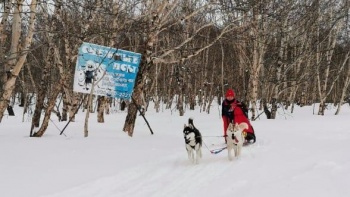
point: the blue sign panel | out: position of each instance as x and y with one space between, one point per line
112 71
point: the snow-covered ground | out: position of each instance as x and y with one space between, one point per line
296 155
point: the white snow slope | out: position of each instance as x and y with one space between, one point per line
297 155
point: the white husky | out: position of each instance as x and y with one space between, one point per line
235 139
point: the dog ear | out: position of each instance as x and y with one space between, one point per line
230 126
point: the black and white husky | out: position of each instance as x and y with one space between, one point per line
193 140
235 139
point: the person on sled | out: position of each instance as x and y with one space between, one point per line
236 112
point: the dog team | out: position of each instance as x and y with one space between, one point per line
237 129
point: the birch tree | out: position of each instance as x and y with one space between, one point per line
323 67
346 83
280 64
259 45
344 91
17 57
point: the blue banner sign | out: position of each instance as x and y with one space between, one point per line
112 71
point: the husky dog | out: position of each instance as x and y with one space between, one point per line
193 140
235 138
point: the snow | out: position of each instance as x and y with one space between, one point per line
298 154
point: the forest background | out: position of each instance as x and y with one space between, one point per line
274 53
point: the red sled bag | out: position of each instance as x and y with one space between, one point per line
239 117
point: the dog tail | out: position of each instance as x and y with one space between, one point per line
198 134
190 121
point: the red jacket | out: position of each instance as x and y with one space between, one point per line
233 111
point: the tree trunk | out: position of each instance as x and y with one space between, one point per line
279 67
77 98
49 109
168 86
63 78
88 110
107 105
324 76
156 96
101 102
136 103
345 87
65 108
42 91
152 31
3 36
18 60
180 105
259 48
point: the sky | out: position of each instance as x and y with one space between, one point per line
297 154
